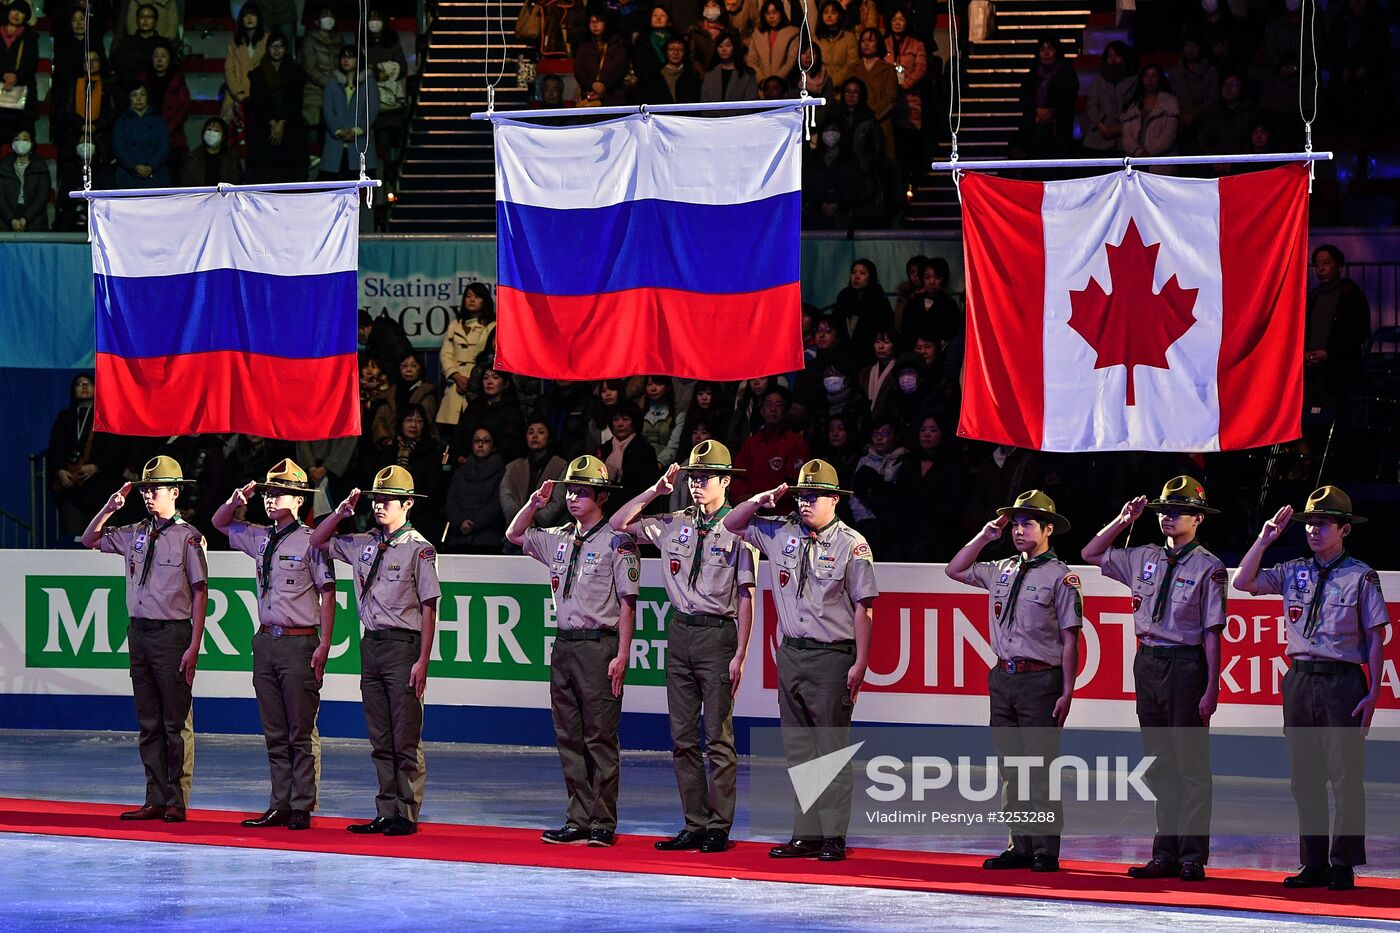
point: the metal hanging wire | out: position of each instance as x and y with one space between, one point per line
491 83
364 140
954 93
1311 34
804 43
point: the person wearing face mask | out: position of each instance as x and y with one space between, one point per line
1336 620
72 212
276 127
213 162
388 67
348 118
703 32
19 64
823 580
475 522
141 144
828 181
320 52
24 188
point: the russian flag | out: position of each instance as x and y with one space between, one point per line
223 313
1133 311
650 244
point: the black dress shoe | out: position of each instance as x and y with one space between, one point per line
1157 868
797 848
833 849
1009 859
401 826
685 839
147 812
1192 870
1044 862
716 840
377 825
599 836
272 817
566 835
1341 878
300 819
174 815
1312 876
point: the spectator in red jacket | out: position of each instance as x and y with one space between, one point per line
774 453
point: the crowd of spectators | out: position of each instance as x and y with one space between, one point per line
291 107
878 396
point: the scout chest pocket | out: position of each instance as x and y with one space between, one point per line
288 581
1344 600
169 559
401 572
826 570
1183 592
595 568
1042 596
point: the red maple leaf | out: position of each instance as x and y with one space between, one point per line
1132 325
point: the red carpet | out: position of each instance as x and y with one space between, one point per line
1102 882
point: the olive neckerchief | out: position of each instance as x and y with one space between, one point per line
156 529
702 530
573 558
1008 616
807 551
274 540
1315 605
384 542
1159 608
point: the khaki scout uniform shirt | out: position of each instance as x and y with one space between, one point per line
726 563
588 587
1195 605
1047 603
817 581
1351 605
290 595
177 561
407 576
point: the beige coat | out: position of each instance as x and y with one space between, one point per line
461 345
772 54
239 62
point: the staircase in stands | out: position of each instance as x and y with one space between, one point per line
447 181
992 73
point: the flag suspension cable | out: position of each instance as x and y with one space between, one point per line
501 26
804 43
365 139
290 186
1307 40
752 106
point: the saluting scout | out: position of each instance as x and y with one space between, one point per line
709 577
396 591
1336 619
167 591
1036 612
296 613
824 588
593 574
1179 596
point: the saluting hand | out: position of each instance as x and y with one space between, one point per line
667 481
118 499
540 498
992 530
244 495
1132 510
1274 527
347 508
769 499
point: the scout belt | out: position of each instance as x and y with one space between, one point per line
1172 651
701 619
277 631
847 645
1024 666
150 625
585 634
392 634
1324 667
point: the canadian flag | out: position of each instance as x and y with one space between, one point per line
1134 311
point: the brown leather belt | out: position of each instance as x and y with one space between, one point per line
277 631
1024 666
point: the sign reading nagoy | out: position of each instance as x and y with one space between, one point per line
929 658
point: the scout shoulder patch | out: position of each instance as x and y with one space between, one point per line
196 539
427 553
862 551
1220 576
1373 578
626 546
1072 579
633 573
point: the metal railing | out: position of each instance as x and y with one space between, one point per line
43 520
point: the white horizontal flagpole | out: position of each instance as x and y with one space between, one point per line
229 189
1130 161
758 105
